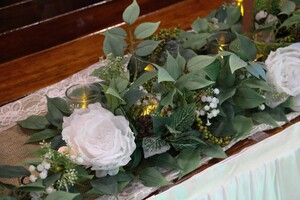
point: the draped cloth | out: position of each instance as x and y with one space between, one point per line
268 170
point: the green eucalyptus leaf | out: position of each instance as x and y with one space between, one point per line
233 14
199 62
60 104
200 25
113 45
114 93
288 6
42 135
244 47
256 70
163 160
159 124
248 98
143 79
295 19
172 67
192 81
188 160
51 179
181 62
132 96
118 32
145 30
106 185
154 145
257 84
146 47
264 118
214 151
33 187
34 122
226 94
183 117
236 63
213 70
8 171
226 79
54 115
57 142
61 195
168 99
150 177
242 125
196 41
163 75
237 28
131 13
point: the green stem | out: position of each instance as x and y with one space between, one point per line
131 41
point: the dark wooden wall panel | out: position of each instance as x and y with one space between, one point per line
36 37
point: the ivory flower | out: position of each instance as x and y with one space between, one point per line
104 141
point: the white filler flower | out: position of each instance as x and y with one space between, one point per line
104 141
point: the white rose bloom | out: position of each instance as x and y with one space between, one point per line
283 69
296 103
104 141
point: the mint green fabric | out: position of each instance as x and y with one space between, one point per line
268 170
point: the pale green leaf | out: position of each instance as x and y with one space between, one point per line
226 94
288 6
114 93
295 19
163 75
146 47
257 84
163 160
168 99
8 171
143 79
61 195
188 160
42 135
256 70
33 187
145 30
264 118
233 14
214 151
131 13
242 125
34 122
150 177
172 67
106 185
236 63
248 98
199 62
118 32
113 45
200 25
132 96
60 104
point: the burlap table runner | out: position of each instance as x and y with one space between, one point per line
13 150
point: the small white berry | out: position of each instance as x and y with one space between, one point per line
208 99
202 112
208 123
216 91
213 105
210 115
50 189
31 168
262 107
32 178
40 167
79 160
43 174
203 98
46 165
206 108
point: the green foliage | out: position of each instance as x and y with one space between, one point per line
61 195
34 122
151 177
188 160
8 171
183 118
145 30
131 13
242 125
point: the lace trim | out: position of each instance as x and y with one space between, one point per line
35 103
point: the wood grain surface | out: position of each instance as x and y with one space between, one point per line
27 74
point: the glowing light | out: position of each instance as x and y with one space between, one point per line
149 68
240 3
84 100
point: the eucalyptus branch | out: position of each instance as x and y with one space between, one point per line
131 40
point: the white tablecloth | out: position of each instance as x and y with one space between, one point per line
269 170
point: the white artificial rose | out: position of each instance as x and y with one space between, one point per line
261 15
103 141
283 69
295 103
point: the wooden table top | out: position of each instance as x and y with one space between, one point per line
27 74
